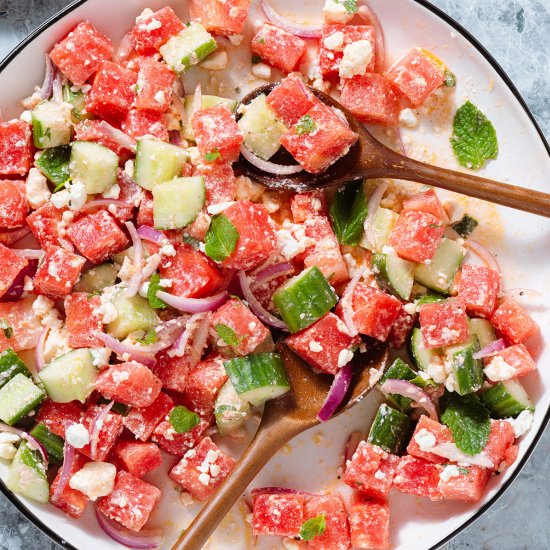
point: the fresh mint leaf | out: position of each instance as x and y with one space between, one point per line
465 225
305 125
348 213
183 420
5 326
350 5
221 238
212 155
450 79
54 164
227 334
154 287
469 422
463 471
474 139
150 337
313 527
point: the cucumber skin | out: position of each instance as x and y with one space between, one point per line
85 166
134 314
26 465
419 355
27 396
401 371
390 430
51 442
97 278
54 164
380 264
10 366
468 371
501 404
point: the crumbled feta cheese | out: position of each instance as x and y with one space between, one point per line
288 246
120 376
335 41
129 168
436 371
113 192
356 59
344 357
100 356
498 369
449 472
56 344
388 250
408 118
36 189
236 39
7 451
336 12
26 116
410 308
425 439
167 250
261 70
215 62
379 475
45 310
315 346
77 195
95 479
204 479
522 424
451 383
212 456
61 199
77 436
6 437
214 470
214 209
107 310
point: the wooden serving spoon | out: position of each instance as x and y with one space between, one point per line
282 419
369 158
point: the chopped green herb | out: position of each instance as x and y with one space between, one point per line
93 293
305 125
227 334
450 79
54 164
435 225
463 471
212 155
5 326
150 337
256 59
61 186
261 41
183 420
465 226
348 213
154 287
313 527
221 238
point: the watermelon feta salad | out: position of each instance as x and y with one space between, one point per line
144 281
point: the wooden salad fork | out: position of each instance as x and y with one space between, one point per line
369 158
282 419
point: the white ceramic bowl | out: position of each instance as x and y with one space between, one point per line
521 241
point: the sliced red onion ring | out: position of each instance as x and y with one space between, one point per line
298 29
124 49
39 351
493 347
272 272
34 444
351 445
479 250
135 281
255 305
193 305
29 253
100 203
178 87
67 245
68 461
45 90
17 288
369 15
336 394
372 207
118 136
196 332
147 233
175 137
269 167
412 391
347 306
180 109
96 426
57 87
279 490
133 352
151 265
270 260
451 452
145 540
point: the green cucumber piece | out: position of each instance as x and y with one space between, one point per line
467 370
206 101
189 47
383 223
18 397
484 331
78 101
394 274
507 399
97 278
69 377
93 165
133 314
230 409
51 442
27 475
157 162
390 430
421 356
304 299
465 226
440 272
258 378
399 370
428 299
54 164
51 124
11 365
176 203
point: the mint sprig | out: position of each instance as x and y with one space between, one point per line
154 287
348 213
313 527
183 420
227 334
221 238
305 125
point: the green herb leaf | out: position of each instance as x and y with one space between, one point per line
93 293
465 225
463 471
469 422
305 125
5 326
221 238
154 287
261 41
450 79
348 213
474 139
350 5
150 337
183 420
54 164
213 155
227 334
256 59
313 527
191 241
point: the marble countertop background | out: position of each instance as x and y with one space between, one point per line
516 33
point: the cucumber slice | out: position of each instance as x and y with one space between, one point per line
421 356
258 378
93 165
484 331
390 430
261 130
384 220
465 226
304 299
157 162
78 101
440 272
19 396
399 370
189 47
51 442
54 164
176 203
51 124
507 399
69 377
230 409
11 365
97 278
467 370
133 314
394 273
206 101
27 475
428 299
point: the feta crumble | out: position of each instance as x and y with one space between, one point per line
449 472
261 70
95 479
335 12
77 436
344 357
356 59
408 118
498 369
522 424
36 189
425 439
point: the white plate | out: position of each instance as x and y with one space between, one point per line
521 241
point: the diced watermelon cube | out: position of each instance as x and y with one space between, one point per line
25 325
58 272
204 382
278 47
501 438
257 240
336 535
130 383
174 443
371 471
16 150
290 100
441 433
220 182
330 139
417 476
443 323
138 458
308 205
83 321
402 327
113 91
369 522
202 469
13 204
145 123
154 89
9 237
58 416
10 266
131 502
427 201
145 213
416 235
517 357
70 500
416 76
278 514
468 486
478 288
172 371
108 433
97 236
130 193
220 17
217 134
152 30
513 322
141 422
44 225
510 456
92 130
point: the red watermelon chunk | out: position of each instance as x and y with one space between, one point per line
16 150
58 416
278 47
145 123
10 266
58 272
330 139
218 17
371 471
131 502
202 469
204 382
501 438
131 194
174 443
308 205
401 328
369 522
172 370
510 456
97 236
138 458
468 486
220 182
217 134
257 240
336 535
427 201
13 204
416 76
44 224
70 500
478 288
513 322
517 357
83 321
142 421
154 89
441 433
25 325
92 130
416 476
278 514
145 213
108 434
416 235
443 323
152 30
290 100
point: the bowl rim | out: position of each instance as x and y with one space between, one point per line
55 537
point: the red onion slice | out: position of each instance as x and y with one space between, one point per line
351 445
369 15
147 233
297 29
135 281
451 452
67 245
125 48
118 136
272 272
193 305
144 540
493 347
141 354
45 91
269 167
29 253
17 288
39 360
196 332
96 426
372 206
347 306
100 203
336 394
175 137
479 250
68 462
180 109
57 87
34 444
412 391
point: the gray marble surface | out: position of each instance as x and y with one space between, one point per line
516 32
